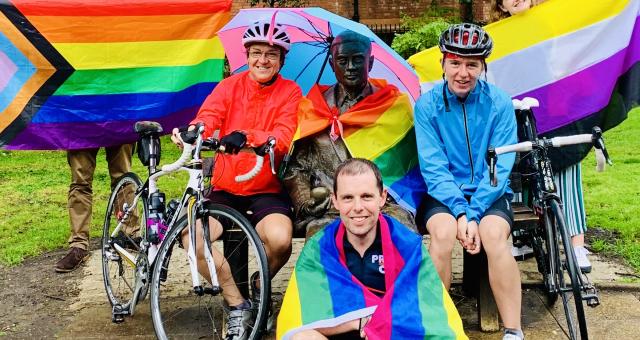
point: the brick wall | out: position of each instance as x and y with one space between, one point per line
484 11
388 11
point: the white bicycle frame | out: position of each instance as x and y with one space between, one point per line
194 188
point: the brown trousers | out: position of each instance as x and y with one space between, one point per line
80 200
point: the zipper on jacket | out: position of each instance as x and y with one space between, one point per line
466 133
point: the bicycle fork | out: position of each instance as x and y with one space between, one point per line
191 255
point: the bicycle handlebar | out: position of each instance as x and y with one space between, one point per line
186 154
553 142
193 140
595 138
190 138
268 149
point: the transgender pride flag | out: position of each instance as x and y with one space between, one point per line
79 73
579 58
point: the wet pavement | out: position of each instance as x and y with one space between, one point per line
617 317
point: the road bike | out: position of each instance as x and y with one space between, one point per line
142 234
550 238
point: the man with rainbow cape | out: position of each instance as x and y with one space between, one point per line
357 117
366 274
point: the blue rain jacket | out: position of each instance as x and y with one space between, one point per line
452 146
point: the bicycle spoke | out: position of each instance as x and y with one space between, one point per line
125 213
178 311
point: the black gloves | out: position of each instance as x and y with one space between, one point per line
233 142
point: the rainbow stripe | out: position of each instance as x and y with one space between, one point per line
104 65
583 67
378 128
323 293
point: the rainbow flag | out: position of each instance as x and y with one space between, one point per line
378 128
323 293
579 58
79 73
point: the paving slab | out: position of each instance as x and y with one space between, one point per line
618 316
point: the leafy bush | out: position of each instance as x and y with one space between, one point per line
433 13
423 32
419 38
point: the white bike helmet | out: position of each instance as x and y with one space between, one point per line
467 40
260 32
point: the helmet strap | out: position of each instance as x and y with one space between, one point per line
484 63
444 96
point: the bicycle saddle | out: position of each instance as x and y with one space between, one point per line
147 127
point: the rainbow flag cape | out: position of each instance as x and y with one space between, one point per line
378 128
579 58
323 293
79 73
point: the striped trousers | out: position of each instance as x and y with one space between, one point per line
569 185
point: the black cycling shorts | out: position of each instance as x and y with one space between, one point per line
431 206
254 207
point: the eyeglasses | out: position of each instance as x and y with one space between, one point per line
269 55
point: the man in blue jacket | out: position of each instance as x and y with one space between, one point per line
455 124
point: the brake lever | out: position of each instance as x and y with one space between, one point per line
199 130
190 137
598 143
272 155
492 159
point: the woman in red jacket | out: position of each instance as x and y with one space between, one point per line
248 108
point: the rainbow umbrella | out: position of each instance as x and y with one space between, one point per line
310 30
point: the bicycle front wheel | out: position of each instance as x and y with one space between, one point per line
178 311
570 280
547 252
126 211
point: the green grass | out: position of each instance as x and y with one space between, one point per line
34 186
611 197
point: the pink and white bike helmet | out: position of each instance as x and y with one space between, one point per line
261 32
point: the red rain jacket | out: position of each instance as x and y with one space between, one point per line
240 103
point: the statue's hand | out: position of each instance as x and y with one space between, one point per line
319 202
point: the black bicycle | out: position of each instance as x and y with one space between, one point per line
550 238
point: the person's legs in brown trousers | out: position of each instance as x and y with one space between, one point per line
82 164
119 162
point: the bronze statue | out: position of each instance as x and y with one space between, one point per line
317 154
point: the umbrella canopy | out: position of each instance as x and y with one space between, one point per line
310 30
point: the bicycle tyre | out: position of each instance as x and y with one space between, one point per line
571 292
119 276
176 311
551 252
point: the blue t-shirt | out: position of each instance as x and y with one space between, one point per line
369 269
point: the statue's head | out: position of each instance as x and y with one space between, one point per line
351 59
